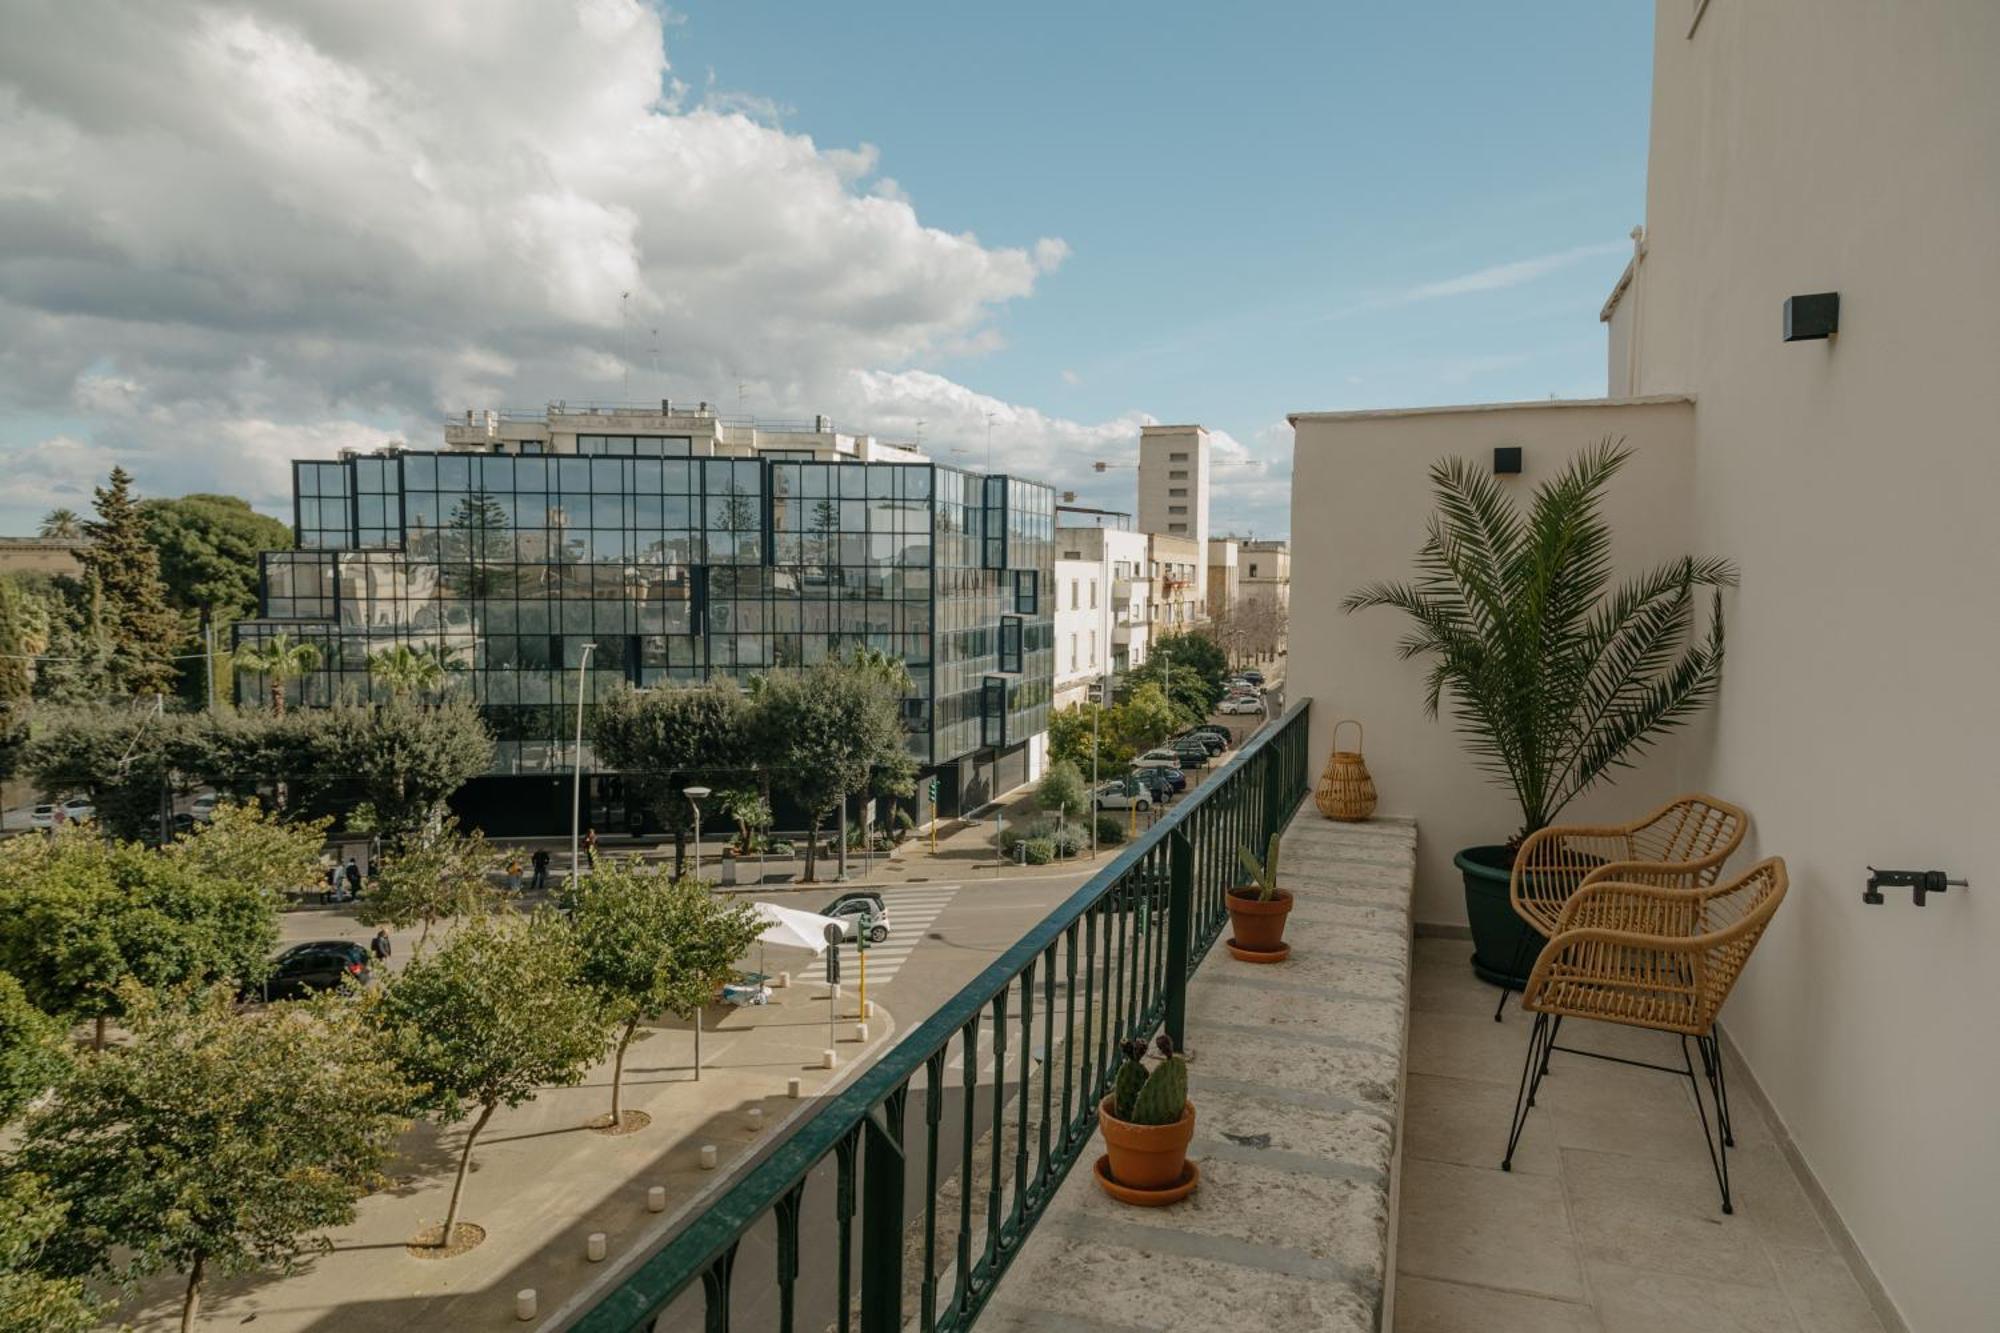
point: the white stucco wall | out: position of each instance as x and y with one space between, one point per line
1361 497
1851 146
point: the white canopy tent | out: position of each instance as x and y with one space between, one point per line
790 928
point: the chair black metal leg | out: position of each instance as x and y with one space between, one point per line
1718 1151
1513 970
1721 1093
1549 1046
1531 1078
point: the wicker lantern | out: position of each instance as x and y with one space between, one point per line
1346 792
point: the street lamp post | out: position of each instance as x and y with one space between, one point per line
576 777
696 795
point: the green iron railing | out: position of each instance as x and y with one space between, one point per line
1125 945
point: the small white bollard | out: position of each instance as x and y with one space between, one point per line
861 1032
593 1247
795 1088
708 1157
868 1009
833 992
524 1304
827 1059
656 1199
756 1117
784 980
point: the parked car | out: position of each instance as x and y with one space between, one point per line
204 805
316 965
1160 758
860 910
1211 743
1223 734
43 816
1238 704
78 807
1124 794
1165 782
1193 753
1254 677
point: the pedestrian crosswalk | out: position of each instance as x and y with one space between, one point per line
913 909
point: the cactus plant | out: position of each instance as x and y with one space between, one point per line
1150 1096
1266 874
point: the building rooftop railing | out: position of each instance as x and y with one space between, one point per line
1121 949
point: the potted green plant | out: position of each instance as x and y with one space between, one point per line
1257 910
1147 1122
1553 676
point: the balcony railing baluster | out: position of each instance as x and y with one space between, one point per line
1166 893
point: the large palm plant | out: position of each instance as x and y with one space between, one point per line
1555 676
279 659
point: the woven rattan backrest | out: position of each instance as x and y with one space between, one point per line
1692 828
1734 918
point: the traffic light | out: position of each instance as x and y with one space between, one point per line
931 790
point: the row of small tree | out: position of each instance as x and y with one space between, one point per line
1178 685
395 761
215 1139
818 735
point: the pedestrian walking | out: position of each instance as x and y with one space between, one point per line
540 861
590 847
380 944
353 873
514 873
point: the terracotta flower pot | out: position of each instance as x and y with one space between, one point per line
1259 926
1146 1157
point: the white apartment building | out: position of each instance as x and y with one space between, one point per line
1173 483
1224 574
1082 627
1265 572
1180 583
1124 560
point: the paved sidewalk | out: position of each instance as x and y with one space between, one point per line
540 1182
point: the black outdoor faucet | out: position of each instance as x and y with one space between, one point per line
1920 881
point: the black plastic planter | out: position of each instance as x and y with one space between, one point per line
1501 941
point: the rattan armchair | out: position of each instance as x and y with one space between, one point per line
1645 955
1680 845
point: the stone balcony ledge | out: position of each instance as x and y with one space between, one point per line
1296 1076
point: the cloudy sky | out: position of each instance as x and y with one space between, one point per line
232 234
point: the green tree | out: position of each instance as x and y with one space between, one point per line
123 757
665 740
822 733
32 1299
406 670
209 548
751 811
145 633
25 627
280 660
217 1142
76 644
435 873
496 1014
1146 718
63 525
404 756
1555 676
1076 732
81 915
1063 792
651 943
33 1051
260 854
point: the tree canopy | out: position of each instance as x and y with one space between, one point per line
496 1013
651 943
823 733
432 874
143 630
33 1051
217 1141
208 549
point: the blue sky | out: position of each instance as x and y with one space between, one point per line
1266 205
251 233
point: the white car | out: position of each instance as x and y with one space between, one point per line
1124 794
203 808
1240 703
43 816
1159 759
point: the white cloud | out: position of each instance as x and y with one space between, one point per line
1498 277
1070 377
230 235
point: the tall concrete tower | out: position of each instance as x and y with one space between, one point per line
1173 483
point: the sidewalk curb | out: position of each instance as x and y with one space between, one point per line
648 1242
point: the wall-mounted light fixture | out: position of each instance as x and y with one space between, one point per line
1506 460
1812 317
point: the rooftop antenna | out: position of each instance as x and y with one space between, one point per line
625 338
658 378
989 441
920 432
742 396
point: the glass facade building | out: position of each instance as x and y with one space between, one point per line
680 567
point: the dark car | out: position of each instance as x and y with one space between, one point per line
317 965
1193 753
1223 734
1254 677
1164 781
1211 743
